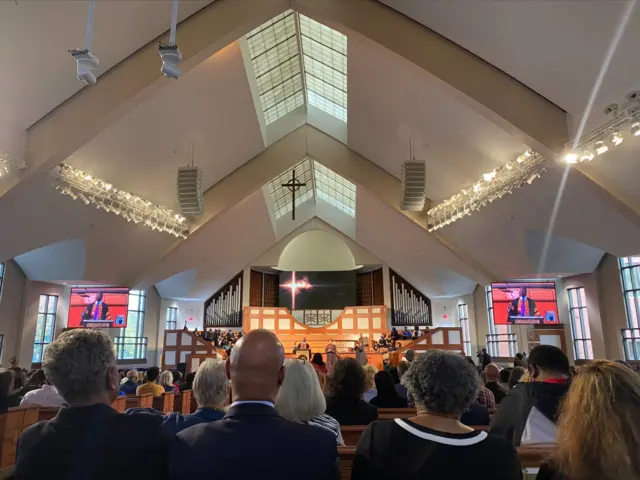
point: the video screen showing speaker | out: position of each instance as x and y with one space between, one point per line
100 307
317 290
518 303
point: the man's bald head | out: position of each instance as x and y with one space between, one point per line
491 372
256 366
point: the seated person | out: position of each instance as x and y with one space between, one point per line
505 373
88 439
492 375
131 385
188 382
406 334
166 381
210 390
394 335
345 387
434 444
151 385
515 377
7 398
528 414
387 397
369 383
46 396
476 415
300 398
598 433
416 333
252 438
403 366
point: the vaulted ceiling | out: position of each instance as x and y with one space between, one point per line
474 84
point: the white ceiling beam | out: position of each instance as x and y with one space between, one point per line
75 122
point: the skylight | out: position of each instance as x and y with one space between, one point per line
281 196
325 62
334 189
275 57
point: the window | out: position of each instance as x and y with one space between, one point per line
325 64
45 326
463 318
1 278
281 196
580 330
500 341
172 318
630 274
129 346
334 189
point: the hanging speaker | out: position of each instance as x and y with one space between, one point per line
414 179
190 191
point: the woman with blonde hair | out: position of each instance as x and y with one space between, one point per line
300 398
369 383
598 435
166 381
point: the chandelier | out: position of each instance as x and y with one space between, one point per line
90 190
531 165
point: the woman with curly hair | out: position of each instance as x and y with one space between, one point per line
345 387
434 444
598 436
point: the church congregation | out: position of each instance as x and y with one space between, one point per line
319 240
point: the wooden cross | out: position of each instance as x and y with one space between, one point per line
293 185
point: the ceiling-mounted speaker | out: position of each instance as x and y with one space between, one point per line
414 186
190 191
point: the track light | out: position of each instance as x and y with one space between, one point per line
587 156
601 148
571 157
86 61
170 53
635 129
616 138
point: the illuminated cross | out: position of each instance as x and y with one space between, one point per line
293 185
295 285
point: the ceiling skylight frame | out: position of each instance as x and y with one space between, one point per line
334 189
324 52
281 196
275 57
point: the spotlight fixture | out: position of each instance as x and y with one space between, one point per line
571 157
587 156
601 148
635 129
170 53
616 138
104 196
87 62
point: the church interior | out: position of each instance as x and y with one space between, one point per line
463 171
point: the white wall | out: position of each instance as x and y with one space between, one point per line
612 308
11 309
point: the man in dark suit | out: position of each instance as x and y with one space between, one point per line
88 439
97 310
252 439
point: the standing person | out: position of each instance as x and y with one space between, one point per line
252 437
484 358
98 310
361 355
492 375
434 444
303 345
598 432
528 414
88 439
332 356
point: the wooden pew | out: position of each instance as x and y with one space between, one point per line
143 401
164 403
12 424
47 413
120 404
346 455
384 413
182 403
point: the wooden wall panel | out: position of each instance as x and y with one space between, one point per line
255 289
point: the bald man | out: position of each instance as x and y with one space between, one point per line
491 376
252 440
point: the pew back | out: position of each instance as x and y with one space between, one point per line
12 424
182 403
143 401
120 404
164 403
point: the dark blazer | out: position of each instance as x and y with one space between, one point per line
128 388
174 423
94 442
348 411
499 392
255 442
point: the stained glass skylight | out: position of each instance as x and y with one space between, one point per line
275 57
334 189
281 196
324 52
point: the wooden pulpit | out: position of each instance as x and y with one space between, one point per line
303 353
